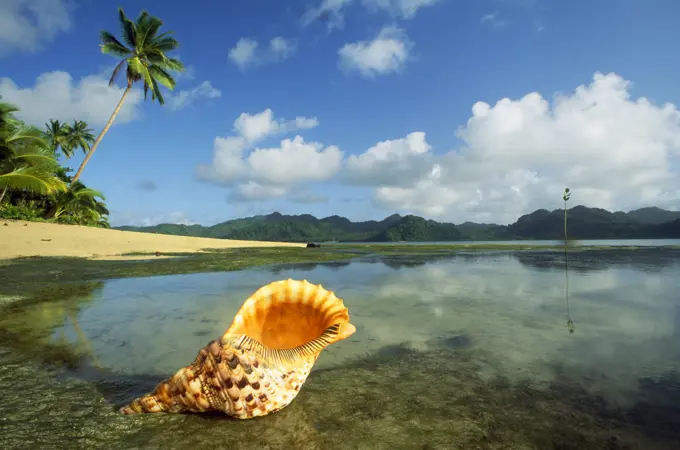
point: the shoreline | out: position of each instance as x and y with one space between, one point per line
22 239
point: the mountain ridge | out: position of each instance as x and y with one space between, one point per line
583 223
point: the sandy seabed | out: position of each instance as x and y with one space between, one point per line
21 239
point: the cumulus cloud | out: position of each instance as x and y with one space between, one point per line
613 151
55 95
27 25
402 161
387 53
248 53
268 172
185 97
254 127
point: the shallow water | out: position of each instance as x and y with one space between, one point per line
466 351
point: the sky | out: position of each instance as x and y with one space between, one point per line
453 110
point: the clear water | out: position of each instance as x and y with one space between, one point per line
470 351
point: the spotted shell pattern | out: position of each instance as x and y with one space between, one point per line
260 363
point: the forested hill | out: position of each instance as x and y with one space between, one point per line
583 223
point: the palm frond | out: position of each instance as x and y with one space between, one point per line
157 95
128 28
173 64
27 135
34 157
147 29
112 46
162 77
32 179
165 44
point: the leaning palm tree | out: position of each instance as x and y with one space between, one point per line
144 59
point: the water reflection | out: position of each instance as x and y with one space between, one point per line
31 322
440 338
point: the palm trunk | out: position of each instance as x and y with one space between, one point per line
101 135
4 191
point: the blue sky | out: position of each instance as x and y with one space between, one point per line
357 73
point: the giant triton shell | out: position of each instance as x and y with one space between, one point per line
260 363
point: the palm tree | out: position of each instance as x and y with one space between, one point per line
26 159
78 136
80 203
144 59
56 133
69 137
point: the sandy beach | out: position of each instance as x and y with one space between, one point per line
20 239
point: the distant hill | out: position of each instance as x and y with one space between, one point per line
653 215
583 223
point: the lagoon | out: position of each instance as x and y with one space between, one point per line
467 350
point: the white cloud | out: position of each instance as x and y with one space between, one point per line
406 9
189 74
248 53
252 190
614 152
295 161
185 97
494 19
136 219
254 127
281 48
329 11
243 53
396 161
55 95
332 11
269 172
27 25
387 53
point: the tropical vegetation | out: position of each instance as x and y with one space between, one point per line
33 184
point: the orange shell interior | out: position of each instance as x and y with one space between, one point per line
286 314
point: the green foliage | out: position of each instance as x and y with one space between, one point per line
416 229
144 57
21 211
67 137
33 186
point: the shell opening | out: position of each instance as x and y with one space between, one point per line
288 314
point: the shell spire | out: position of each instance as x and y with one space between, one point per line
260 363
